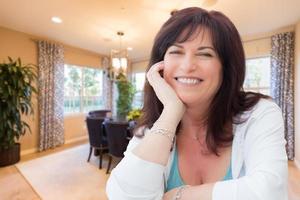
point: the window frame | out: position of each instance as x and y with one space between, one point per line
81 97
257 89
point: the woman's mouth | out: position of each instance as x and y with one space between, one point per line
188 80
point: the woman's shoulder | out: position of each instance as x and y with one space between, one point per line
265 106
262 107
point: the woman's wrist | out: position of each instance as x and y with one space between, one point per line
170 118
179 193
164 132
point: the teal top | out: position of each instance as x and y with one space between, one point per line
175 179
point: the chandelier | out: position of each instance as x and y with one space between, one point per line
119 59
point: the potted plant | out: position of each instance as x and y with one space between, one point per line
16 88
125 96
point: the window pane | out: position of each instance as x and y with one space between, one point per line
258 75
138 99
82 89
138 81
92 89
72 81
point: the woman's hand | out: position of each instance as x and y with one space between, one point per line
170 194
164 91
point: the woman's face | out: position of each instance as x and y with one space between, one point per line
193 69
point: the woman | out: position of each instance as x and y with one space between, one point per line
201 136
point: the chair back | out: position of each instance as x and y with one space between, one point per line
95 131
116 133
99 113
132 125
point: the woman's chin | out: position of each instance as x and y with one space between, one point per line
189 100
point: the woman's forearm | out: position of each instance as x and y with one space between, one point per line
156 147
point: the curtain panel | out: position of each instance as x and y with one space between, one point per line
51 94
282 82
107 84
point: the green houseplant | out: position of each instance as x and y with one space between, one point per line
16 88
126 92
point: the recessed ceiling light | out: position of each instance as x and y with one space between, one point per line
56 20
129 48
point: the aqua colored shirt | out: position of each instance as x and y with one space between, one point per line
175 179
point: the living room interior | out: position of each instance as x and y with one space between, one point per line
92 43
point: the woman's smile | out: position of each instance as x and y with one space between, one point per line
188 81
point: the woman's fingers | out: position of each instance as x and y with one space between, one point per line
164 92
155 79
162 89
153 74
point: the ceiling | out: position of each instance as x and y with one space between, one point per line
93 24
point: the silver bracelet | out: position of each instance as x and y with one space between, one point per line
178 194
164 132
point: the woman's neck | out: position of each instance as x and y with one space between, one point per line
193 123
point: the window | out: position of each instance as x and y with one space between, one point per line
258 75
138 81
82 89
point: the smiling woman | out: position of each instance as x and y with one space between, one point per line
201 136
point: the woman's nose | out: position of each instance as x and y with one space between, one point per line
188 63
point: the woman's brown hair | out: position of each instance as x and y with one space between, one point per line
230 100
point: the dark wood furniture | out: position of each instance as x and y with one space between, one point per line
97 139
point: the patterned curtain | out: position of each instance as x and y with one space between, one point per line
51 93
107 84
282 83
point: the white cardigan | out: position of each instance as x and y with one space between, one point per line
259 164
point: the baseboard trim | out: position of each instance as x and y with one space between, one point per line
78 139
297 163
70 141
29 151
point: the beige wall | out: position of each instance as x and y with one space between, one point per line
257 47
16 44
297 95
139 66
81 57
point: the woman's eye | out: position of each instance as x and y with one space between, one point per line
205 54
175 52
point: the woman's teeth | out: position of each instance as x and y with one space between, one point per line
188 80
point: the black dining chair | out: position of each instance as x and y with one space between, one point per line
99 113
131 126
97 139
117 139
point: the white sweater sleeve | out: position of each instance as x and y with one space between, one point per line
134 178
265 160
